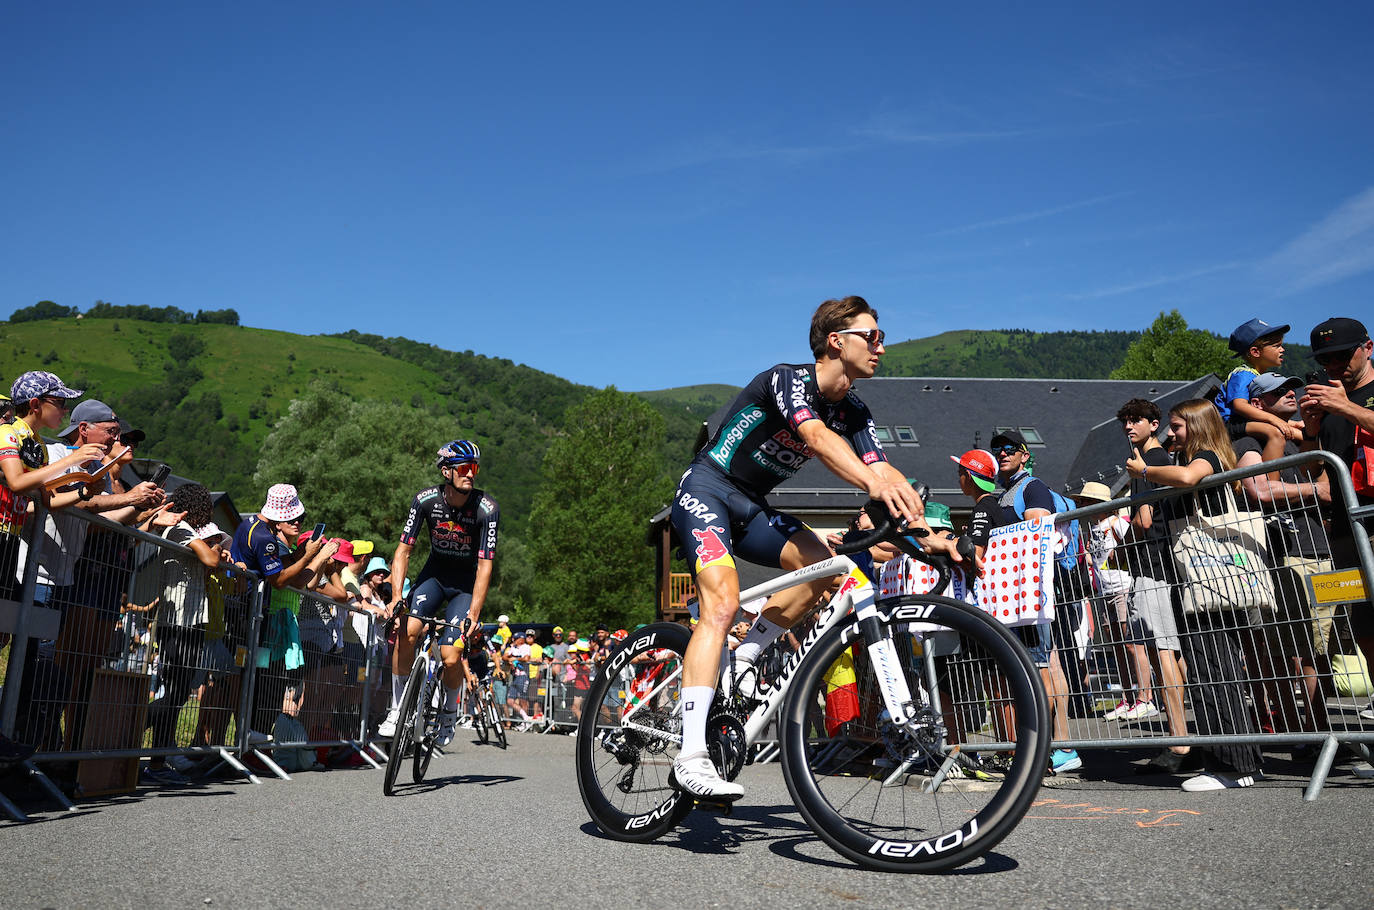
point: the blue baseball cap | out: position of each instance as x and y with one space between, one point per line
37 383
1247 334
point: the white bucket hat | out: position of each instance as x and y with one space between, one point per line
283 503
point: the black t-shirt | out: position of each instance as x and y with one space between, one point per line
1303 510
1213 500
987 514
1337 434
1148 555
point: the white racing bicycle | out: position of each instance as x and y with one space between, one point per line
914 730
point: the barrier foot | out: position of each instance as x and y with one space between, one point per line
227 758
362 753
377 752
1323 768
768 752
271 765
14 812
53 790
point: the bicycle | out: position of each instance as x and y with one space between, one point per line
928 683
417 720
486 720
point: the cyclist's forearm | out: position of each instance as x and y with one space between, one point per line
400 565
479 589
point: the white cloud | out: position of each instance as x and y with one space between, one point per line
1339 246
1022 217
1122 289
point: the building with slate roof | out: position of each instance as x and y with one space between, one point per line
1069 424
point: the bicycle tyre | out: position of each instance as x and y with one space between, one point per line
405 724
426 725
627 791
479 715
896 827
494 721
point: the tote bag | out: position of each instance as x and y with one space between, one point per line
1221 559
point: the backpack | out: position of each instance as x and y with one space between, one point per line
1015 498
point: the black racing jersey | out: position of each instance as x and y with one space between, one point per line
458 535
757 445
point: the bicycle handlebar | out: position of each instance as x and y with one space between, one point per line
887 530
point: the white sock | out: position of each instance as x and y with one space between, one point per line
760 635
450 699
696 705
398 688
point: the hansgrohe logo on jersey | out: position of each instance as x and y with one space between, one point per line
744 420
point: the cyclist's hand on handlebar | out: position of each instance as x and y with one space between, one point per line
945 546
899 497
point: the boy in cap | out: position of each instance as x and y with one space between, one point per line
1259 345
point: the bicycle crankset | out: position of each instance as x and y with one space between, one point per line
726 744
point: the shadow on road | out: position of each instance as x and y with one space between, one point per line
438 783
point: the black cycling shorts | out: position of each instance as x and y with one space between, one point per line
430 594
714 519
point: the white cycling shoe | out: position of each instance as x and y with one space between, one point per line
696 775
447 721
388 726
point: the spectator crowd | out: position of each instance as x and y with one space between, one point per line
177 607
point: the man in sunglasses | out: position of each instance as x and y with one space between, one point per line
1338 416
462 523
786 415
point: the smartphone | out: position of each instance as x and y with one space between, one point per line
318 533
1317 377
161 474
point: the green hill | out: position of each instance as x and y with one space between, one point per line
1014 353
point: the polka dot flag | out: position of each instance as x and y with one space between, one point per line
1017 585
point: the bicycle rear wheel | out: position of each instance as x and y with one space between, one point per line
916 796
498 729
630 732
404 736
427 724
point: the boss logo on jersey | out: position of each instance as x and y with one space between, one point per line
743 422
696 508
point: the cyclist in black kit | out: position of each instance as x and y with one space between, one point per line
782 418
462 544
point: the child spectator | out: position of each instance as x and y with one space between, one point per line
1260 346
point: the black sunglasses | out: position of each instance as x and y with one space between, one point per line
1335 356
1007 449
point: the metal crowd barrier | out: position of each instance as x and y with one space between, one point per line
1237 657
123 647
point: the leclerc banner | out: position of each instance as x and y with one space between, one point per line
1017 584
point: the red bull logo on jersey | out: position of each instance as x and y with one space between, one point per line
711 550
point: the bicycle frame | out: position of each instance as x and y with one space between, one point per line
856 593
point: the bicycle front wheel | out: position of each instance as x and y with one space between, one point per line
426 725
935 789
404 736
494 720
629 732
479 715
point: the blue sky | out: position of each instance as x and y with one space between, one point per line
652 195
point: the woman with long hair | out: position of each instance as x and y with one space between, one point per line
1211 641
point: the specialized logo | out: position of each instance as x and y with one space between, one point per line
696 508
929 847
710 548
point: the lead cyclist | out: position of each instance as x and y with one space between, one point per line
462 522
783 417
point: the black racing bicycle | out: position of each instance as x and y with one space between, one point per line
417 716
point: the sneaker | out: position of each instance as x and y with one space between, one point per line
1139 711
1368 713
388 726
696 775
970 765
1170 762
1215 780
1062 760
1121 708
257 739
160 777
466 722
184 764
447 721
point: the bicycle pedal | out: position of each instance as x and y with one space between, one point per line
723 806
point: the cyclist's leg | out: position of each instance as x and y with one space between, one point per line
452 676
425 600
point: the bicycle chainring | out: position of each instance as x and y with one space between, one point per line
726 744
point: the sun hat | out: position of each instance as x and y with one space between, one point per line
361 547
375 564
981 466
37 383
283 503
1098 492
345 551
210 531
557 630
503 619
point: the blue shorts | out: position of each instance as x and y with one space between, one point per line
1038 641
430 594
714 519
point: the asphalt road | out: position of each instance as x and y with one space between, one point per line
507 829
